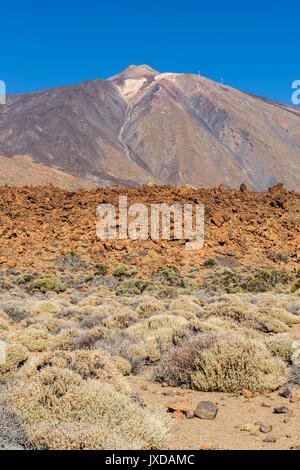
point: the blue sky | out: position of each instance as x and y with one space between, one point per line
253 46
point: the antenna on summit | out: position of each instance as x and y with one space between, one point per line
222 84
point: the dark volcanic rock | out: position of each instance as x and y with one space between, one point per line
206 410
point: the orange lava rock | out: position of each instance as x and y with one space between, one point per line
11 264
295 399
246 393
178 415
178 406
206 447
266 404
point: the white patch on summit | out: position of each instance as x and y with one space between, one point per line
170 76
130 87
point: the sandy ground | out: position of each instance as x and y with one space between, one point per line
235 412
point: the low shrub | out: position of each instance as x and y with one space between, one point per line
234 363
25 278
12 436
34 338
294 375
15 311
121 320
121 345
44 308
101 268
225 279
168 274
124 271
245 314
129 287
47 284
296 285
210 262
266 279
5 285
279 256
222 363
222 279
148 309
63 407
86 339
177 366
16 357
188 304
281 345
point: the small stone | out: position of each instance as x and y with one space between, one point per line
11 264
252 410
286 393
252 428
164 384
286 420
271 439
296 446
206 410
206 447
265 428
246 393
168 393
281 410
266 404
295 399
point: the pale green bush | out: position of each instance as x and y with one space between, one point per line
234 363
62 407
281 345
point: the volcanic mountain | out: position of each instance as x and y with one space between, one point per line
142 126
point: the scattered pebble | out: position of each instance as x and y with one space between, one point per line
281 410
265 428
266 404
252 428
206 447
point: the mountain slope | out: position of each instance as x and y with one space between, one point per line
141 126
22 171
